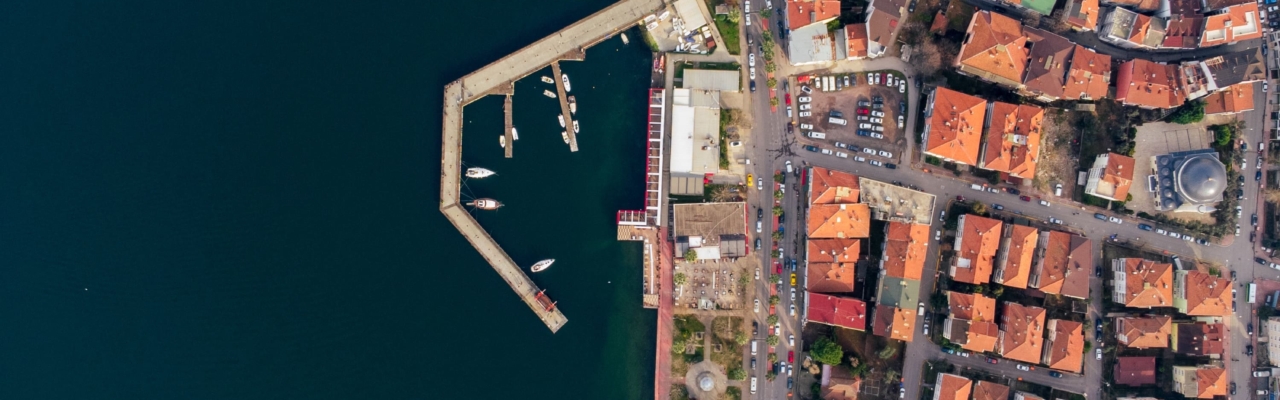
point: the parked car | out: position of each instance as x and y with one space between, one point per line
1145 227
1055 374
997 207
1025 198
1023 367
1114 220
1055 221
1098 352
876 163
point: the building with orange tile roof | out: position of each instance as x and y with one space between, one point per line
905 248
1202 382
952 387
1234 99
830 277
1148 84
975 307
1129 29
1013 265
1082 15
838 383
1183 32
855 41
1025 396
1144 332
829 186
1110 177
839 221
984 390
1013 139
894 323
1089 76
995 49
972 335
1135 371
843 312
1147 6
1235 24
801 13
1142 283
1063 264
977 239
953 126
1196 294
834 250
1046 70
1065 351
1021 333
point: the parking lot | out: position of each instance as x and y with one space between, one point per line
858 121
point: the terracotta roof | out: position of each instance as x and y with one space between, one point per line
1015 269
978 238
841 385
984 390
834 250
1140 5
829 186
837 311
1066 345
1147 283
1206 295
1186 7
1089 75
894 323
831 277
838 221
1235 98
1183 31
952 387
1083 14
882 20
856 40
979 336
1119 174
1047 68
1144 332
955 126
939 23
1211 382
1021 333
974 307
1198 339
996 46
1135 371
905 248
1013 141
1064 266
1211 5
1149 84
1147 31
805 12
1236 23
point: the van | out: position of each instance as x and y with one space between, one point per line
837 121
754 344
976 187
1057 191
816 135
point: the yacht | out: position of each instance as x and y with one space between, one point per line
514 135
561 118
573 105
542 265
565 78
485 204
625 40
479 173
575 127
564 135
502 141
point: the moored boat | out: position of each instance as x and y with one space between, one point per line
514 135
502 141
548 93
565 135
561 118
625 40
575 127
573 105
542 265
547 79
485 204
565 78
479 173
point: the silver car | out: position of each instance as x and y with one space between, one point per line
885 154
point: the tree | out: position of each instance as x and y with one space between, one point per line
777 253
979 289
773 300
826 351
938 300
735 15
777 210
772 82
891 376
777 235
777 194
887 352
680 279
690 255
770 375
772 340
997 290
743 280
773 101
736 374
741 338
1223 135
770 67
978 208
1190 113
771 319
766 13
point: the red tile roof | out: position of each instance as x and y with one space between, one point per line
1199 339
1013 139
1234 99
856 40
1086 15
1066 345
955 126
839 221
1237 23
952 387
1089 75
833 187
978 239
1021 333
805 12
976 307
894 323
1065 265
1144 332
905 248
984 390
1135 371
837 311
1147 283
1206 295
996 47
831 277
1015 270
1149 84
1050 57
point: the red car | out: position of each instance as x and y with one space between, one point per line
788 97
791 357
777 268
863 111
1025 198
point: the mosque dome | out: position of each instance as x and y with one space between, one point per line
1202 179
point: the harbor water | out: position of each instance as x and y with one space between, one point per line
240 200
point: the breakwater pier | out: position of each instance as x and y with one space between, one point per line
498 78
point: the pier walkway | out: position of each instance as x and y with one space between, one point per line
564 106
498 78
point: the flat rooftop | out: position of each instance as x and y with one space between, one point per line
890 202
709 220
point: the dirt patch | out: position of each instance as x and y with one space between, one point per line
1058 155
725 351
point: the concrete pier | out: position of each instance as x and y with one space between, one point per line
497 78
511 140
564 106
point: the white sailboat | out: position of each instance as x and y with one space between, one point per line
565 78
479 173
542 265
561 118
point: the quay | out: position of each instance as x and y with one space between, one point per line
564 106
498 78
511 140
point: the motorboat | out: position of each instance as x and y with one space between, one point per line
547 79
565 78
573 105
502 141
514 135
625 40
479 173
565 136
485 204
561 118
575 127
548 93
542 265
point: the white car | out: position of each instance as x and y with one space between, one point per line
1161 231
877 135
901 121
751 58
1188 238
902 87
864 118
793 310
875 120
791 339
759 226
877 128
1044 203
806 113
1115 220
842 154
757 305
806 89
804 99
805 107
885 154
864 126
806 126
876 163
757 276
1099 353
1025 368
877 114
793 294
747 5
753 72
859 159
827 151
869 150
1175 235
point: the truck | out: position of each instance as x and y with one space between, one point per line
837 121
1253 294
754 345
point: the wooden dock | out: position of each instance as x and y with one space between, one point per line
511 140
564 106
498 78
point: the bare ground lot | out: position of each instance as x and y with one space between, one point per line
845 101
1059 162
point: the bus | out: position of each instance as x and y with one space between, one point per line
1253 293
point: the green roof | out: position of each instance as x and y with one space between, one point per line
898 292
1044 7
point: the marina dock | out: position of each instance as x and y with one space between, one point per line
564 106
511 140
498 78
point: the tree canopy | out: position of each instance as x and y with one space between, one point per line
826 351
680 279
736 374
1189 113
772 340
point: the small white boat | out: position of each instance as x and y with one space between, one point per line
548 93
479 173
575 127
565 135
565 78
542 265
514 135
485 204
502 141
561 118
573 105
547 79
625 40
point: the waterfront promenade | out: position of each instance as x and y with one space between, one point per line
499 78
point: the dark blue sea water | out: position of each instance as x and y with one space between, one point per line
240 200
